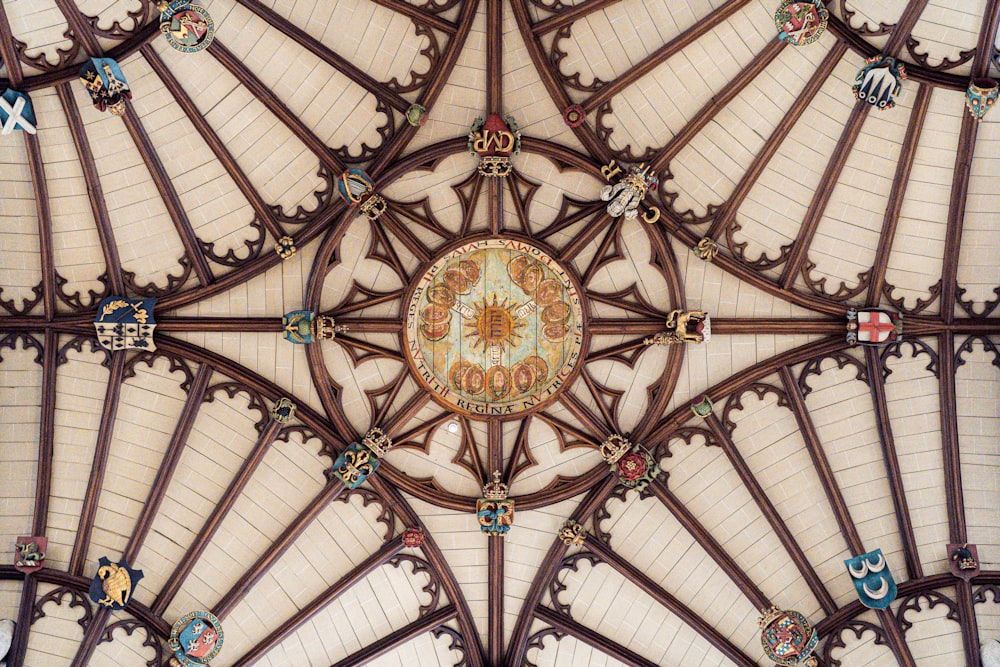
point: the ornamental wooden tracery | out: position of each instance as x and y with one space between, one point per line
409 235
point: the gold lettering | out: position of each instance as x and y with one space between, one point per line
610 170
652 215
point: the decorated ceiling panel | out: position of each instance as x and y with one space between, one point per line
498 333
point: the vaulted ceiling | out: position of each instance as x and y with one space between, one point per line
815 451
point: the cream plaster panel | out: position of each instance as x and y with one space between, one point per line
607 602
20 268
217 210
979 260
916 262
442 448
40 25
708 485
20 398
988 619
273 293
221 438
672 558
934 639
869 13
278 164
109 12
465 550
149 407
436 184
76 244
946 29
10 598
146 237
777 203
706 171
848 233
525 547
913 401
81 385
384 601
773 447
327 635
977 391
372 374
634 268
124 649
337 110
379 41
268 354
56 636
288 478
567 652
863 650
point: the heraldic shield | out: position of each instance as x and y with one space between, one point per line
30 555
872 579
125 324
787 638
195 639
113 584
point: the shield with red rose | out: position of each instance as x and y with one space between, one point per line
637 468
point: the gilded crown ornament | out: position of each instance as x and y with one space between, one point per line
573 533
615 447
788 638
377 441
624 193
631 462
303 327
494 511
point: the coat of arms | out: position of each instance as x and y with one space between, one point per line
188 28
801 22
361 459
787 638
494 140
872 579
30 554
963 559
632 463
125 324
16 112
304 327
195 639
871 326
355 187
880 81
103 79
684 326
495 511
114 584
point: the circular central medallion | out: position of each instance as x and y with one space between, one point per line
494 328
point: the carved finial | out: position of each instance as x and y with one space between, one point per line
573 533
706 249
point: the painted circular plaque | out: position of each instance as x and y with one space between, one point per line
494 328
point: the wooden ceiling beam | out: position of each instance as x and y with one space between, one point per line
327 55
81 29
474 653
672 604
720 101
396 639
821 197
91 637
46 432
711 546
414 12
662 54
770 513
46 246
894 475
582 633
570 15
235 66
97 469
219 513
222 154
550 565
495 545
320 602
172 202
727 213
900 183
332 491
98 206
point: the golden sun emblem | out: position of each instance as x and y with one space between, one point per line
494 324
